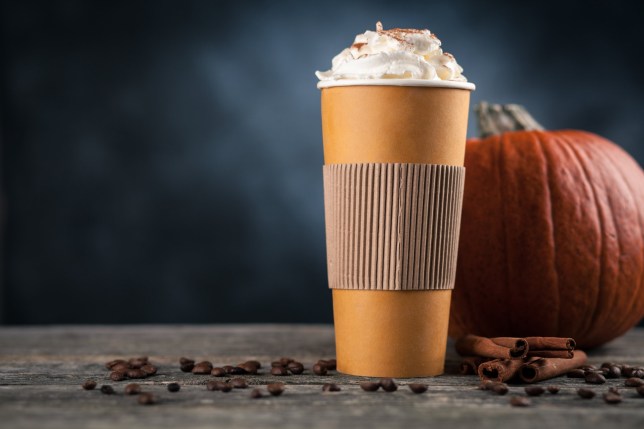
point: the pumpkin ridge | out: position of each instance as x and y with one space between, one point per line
500 169
601 278
609 156
537 135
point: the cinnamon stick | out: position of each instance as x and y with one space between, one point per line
545 368
498 348
470 364
500 369
560 354
551 347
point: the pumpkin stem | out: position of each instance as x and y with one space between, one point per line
499 118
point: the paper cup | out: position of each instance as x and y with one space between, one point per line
393 153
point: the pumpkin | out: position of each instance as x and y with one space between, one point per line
552 234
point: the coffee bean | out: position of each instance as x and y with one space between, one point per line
121 367
132 389
612 398
613 372
255 363
115 362
519 401
628 371
214 385
418 387
640 390
588 367
331 364
147 398
149 369
576 373
186 361
118 376
319 369
248 367
330 387
585 393
239 383
296 368
218 372
633 382
136 373
237 370
323 363
486 384
607 364
638 372
595 378
107 389
499 388
534 390
228 368
286 360
137 363
225 387
202 369
256 394
279 370
553 389
388 385
369 386
275 389
174 387
89 385
187 367
614 389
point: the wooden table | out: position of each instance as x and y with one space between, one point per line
42 368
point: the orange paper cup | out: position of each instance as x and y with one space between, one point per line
393 333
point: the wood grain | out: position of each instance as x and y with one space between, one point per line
41 369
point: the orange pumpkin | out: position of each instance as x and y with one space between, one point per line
552 235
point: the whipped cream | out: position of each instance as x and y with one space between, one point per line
394 54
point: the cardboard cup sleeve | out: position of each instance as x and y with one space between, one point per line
392 226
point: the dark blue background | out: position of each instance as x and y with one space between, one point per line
161 161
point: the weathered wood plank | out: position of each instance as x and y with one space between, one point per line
41 369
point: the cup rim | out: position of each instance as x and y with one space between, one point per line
397 82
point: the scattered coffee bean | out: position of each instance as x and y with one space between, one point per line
136 373
595 378
553 389
418 387
187 367
255 363
228 368
186 361
588 367
277 364
279 370
486 384
640 390
286 360
499 388
114 362
613 372
214 385
319 369
519 401
614 389
249 367
121 367
628 371
639 372
132 389
576 373
256 394
323 363
607 364
147 398
330 387
296 368
149 369
107 389
585 393
174 387
612 398
275 389
202 369
633 382
331 364
237 370
534 390
218 372
369 386
118 376
239 383
89 385
137 363
388 385
225 387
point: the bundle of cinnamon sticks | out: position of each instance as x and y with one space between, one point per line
528 359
